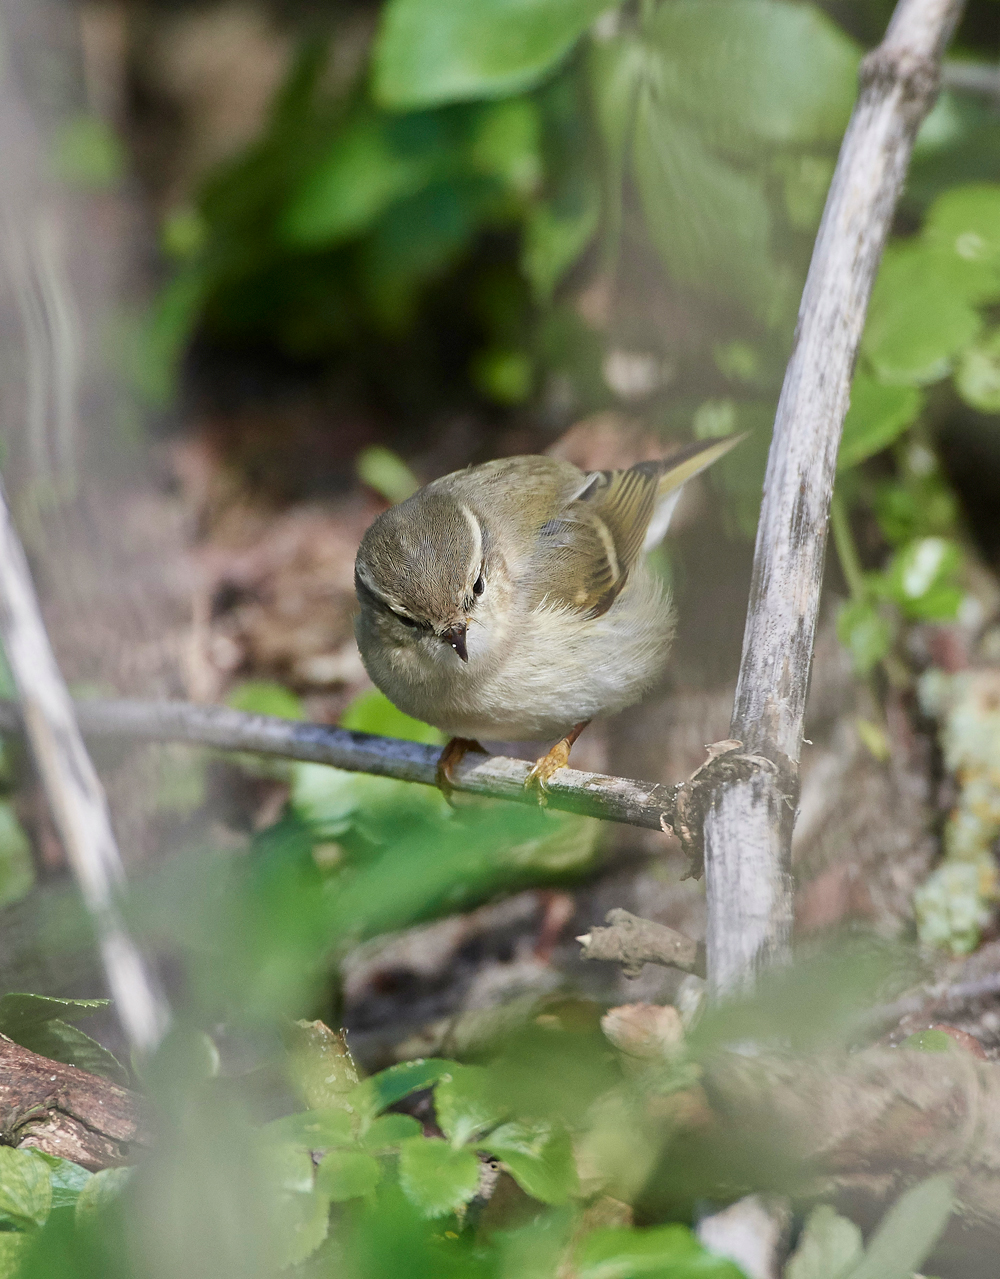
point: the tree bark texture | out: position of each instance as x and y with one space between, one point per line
64 1111
748 827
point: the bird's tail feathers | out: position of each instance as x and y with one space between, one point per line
676 471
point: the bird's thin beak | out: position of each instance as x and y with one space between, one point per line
455 636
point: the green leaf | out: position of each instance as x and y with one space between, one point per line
25 1187
877 416
386 472
930 1041
465 1103
301 1213
36 1022
21 1012
380 1091
435 1177
149 352
13 1247
419 239
60 1042
977 377
427 53
865 633
17 870
616 69
908 1232
101 1191
756 70
320 1067
368 167
312 1129
828 1244
555 234
265 697
68 1179
620 1253
965 222
708 221
539 1156
921 579
386 1132
507 144
347 1174
372 712
920 316
508 377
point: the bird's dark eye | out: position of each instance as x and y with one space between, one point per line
479 585
408 621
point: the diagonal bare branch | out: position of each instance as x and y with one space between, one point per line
614 799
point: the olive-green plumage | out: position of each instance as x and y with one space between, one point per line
511 601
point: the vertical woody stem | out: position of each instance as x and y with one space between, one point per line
748 829
74 793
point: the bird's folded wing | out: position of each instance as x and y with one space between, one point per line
584 555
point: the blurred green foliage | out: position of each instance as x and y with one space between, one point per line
704 130
492 161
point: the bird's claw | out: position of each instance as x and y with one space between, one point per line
543 769
450 758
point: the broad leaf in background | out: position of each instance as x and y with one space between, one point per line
347 1174
616 67
427 53
539 1156
908 1232
661 1250
372 712
964 224
386 472
264 697
977 378
301 1212
319 1066
755 73
36 1022
866 633
435 1177
710 222
388 1131
922 579
556 233
68 1179
465 1104
370 164
920 316
389 1086
828 1245
311 1129
878 415
420 238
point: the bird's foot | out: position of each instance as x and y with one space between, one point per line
452 755
558 757
693 798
